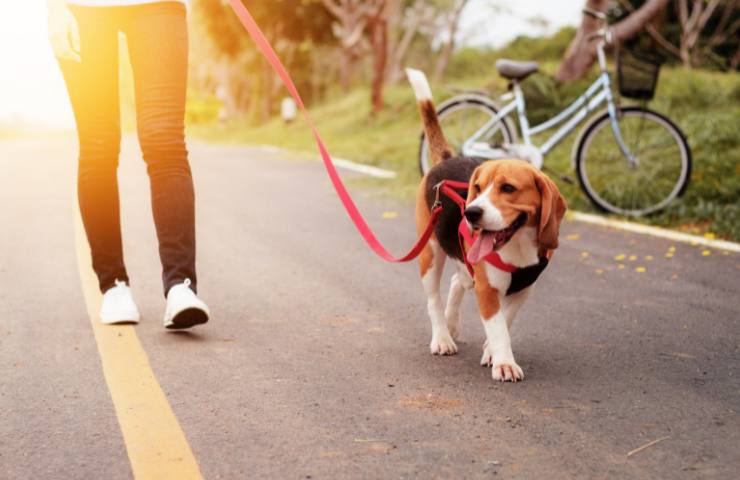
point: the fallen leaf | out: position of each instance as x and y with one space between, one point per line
620 257
649 444
390 215
706 253
641 269
430 402
682 355
633 258
572 236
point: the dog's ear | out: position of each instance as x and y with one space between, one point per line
472 189
552 210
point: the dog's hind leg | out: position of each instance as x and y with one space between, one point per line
432 262
460 282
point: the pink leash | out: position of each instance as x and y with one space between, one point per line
269 53
448 187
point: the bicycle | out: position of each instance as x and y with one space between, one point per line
655 157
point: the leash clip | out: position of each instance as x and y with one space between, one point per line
437 200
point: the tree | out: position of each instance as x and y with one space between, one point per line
379 40
295 29
706 29
451 23
697 32
405 26
581 54
694 20
352 18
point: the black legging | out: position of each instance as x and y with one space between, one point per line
157 40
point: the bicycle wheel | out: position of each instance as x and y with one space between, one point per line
460 118
663 162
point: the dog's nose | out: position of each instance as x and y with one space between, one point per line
473 214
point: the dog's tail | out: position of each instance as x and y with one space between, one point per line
439 149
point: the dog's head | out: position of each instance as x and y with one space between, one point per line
506 195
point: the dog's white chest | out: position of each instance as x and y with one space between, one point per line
521 251
497 278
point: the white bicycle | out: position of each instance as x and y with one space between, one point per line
629 160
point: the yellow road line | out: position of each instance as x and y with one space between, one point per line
156 445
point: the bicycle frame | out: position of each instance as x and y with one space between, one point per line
596 94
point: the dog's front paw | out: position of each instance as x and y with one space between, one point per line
443 344
507 372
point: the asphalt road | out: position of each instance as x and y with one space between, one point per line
316 362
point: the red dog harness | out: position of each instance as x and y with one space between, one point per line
521 278
449 187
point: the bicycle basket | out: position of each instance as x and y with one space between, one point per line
637 71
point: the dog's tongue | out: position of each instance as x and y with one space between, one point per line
482 246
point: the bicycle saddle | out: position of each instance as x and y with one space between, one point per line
514 70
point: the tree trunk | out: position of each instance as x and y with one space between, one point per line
444 59
692 24
352 17
735 61
581 54
346 68
379 32
402 42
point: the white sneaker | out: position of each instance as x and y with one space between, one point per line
184 308
119 306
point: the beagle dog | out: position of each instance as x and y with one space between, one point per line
513 213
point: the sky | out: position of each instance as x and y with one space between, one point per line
482 25
31 86
32 90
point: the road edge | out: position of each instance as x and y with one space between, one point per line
575 215
653 231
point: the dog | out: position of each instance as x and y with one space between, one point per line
513 212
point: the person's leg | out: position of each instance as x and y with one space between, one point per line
93 91
158 44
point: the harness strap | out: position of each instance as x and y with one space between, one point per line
463 232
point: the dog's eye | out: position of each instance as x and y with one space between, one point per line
476 188
508 188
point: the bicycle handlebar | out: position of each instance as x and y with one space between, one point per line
595 14
603 33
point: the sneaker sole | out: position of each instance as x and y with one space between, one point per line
188 318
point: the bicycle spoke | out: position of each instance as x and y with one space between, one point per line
462 120
655 177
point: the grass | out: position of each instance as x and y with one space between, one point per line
705 105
